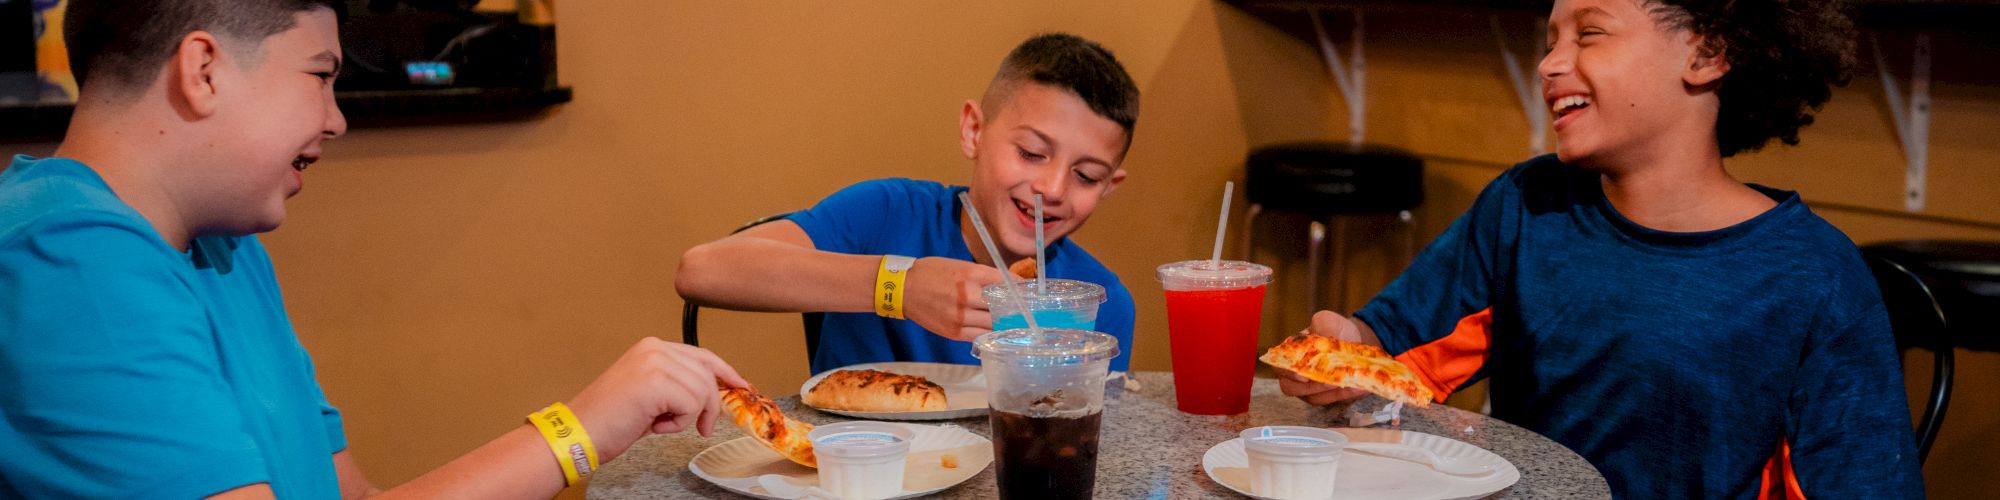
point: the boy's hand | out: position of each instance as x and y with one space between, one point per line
945 297
657 386
1330 324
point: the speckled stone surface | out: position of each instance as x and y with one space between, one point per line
1148 449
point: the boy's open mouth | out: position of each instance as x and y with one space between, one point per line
1569 104
300 163
1027 210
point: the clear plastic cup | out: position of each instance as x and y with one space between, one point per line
1046 391
1213 312
1293 463
861 460
1056 303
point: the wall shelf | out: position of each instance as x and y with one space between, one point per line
363 108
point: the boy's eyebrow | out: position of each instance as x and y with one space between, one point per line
1591 10
327 56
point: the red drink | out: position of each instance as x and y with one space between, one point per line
1213 314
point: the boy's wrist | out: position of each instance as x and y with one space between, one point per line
891 285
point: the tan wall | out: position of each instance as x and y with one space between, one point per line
450 279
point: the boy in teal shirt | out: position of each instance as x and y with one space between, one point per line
143 341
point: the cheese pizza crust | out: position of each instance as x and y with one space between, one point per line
1024 268
759 417
1349 364
875 390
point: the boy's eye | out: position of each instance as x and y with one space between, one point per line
1087 178
1032 156
324 76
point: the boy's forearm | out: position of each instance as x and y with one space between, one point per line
518 464
754 274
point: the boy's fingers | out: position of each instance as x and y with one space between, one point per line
723 372
1334 396
706 425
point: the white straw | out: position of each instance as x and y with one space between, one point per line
1222 224
993 252
1041 260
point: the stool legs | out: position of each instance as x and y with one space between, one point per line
1313 244
1249 245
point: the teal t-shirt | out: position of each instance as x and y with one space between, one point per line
129 369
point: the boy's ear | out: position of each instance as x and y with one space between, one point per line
1706 63
1117 177
970 122
191 73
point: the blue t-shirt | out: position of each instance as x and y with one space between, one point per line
1679 364
920 219
129 369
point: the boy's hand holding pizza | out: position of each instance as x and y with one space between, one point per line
1339 359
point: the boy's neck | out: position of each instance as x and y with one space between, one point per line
1682 190
128 158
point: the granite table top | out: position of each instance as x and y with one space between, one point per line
1148 449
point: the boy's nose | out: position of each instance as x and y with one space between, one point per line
1556 63
1051 184
336 122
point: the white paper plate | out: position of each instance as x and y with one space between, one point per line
964 390
735 464
1368 476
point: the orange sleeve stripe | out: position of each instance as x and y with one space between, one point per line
1447 363
1779 471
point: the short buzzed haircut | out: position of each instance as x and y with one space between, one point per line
124 43
1071 63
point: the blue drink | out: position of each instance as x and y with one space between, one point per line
1055 318
1056 304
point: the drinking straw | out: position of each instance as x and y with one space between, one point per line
993 252
1221 224
1041 261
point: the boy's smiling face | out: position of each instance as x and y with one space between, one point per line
1040 140
1617 81
268 128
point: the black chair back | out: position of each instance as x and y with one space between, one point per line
691 313
1918 323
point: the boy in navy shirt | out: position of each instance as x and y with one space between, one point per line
1056 121
1691 335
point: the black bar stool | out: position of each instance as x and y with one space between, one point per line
1941 295
1329 182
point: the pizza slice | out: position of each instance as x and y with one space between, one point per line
759 417
1349 364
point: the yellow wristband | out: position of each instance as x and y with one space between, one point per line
889 285
574 452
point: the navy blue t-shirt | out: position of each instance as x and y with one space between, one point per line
1680 364
920 219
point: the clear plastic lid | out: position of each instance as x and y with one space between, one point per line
1049 295
1213 275
1291 440
860 439
1050 347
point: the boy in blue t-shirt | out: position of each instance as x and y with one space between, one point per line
1691 335
1055 121
144 343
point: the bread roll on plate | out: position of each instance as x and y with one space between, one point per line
875 390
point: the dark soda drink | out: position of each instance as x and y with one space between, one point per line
1045 457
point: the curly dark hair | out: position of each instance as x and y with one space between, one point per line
1785 57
